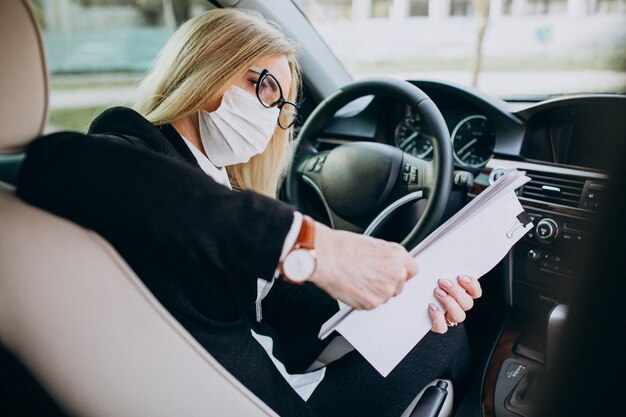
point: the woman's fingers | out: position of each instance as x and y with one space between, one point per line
454 312
471 286
438 319
456 298
460 295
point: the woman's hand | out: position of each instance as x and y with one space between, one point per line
456 298
358 270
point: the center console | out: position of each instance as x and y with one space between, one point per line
545 261
562 203
542 271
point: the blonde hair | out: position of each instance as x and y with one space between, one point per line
202 59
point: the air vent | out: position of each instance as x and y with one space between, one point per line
554 188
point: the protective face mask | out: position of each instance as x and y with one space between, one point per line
239 129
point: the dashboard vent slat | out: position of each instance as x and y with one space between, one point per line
554 188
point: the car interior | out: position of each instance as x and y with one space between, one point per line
540 334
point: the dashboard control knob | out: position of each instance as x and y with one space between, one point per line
496 174
547 229
533 255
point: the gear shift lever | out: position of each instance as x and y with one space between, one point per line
556 320
521 383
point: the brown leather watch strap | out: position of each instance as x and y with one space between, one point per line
306 237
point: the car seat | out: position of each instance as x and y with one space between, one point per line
70 308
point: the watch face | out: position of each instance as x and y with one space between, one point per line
299 265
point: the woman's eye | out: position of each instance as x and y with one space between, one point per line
272 84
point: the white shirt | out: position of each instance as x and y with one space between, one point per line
218 174
303 384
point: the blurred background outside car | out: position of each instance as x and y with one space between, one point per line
514 49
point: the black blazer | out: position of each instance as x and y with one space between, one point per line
198 246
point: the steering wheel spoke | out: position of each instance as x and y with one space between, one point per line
313 181
309 171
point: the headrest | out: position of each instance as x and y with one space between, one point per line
24 77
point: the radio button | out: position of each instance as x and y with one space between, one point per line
547 229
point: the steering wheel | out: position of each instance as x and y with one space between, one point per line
362 184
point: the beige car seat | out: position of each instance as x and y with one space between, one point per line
70 308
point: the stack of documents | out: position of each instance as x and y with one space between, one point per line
472 242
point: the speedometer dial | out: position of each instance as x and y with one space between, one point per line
411 136
473 140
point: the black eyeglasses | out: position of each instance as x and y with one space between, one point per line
270 94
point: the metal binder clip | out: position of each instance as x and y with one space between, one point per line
521 220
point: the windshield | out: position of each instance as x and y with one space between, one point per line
516 49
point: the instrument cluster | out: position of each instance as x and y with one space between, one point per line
473 137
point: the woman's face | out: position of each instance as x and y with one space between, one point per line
278 65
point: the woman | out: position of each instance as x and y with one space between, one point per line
225 47
216 112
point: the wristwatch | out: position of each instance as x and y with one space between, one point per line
301 261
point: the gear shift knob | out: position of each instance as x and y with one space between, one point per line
556 321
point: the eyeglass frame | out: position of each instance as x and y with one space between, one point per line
278 103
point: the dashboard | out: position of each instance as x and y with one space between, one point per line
574 132
565 145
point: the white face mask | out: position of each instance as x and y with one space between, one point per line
239 129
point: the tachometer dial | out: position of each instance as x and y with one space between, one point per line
473 140
412 138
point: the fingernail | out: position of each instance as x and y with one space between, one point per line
432 307
465 279
441 293
445 283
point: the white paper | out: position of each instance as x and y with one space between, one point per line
472 242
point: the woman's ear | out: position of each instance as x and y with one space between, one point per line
213 105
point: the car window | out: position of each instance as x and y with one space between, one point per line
509 48
98 50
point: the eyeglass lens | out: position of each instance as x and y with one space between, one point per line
269 90
270 94
288 115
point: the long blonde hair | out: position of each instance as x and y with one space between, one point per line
201 60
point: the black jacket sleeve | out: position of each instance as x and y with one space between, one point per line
197 245
298 308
